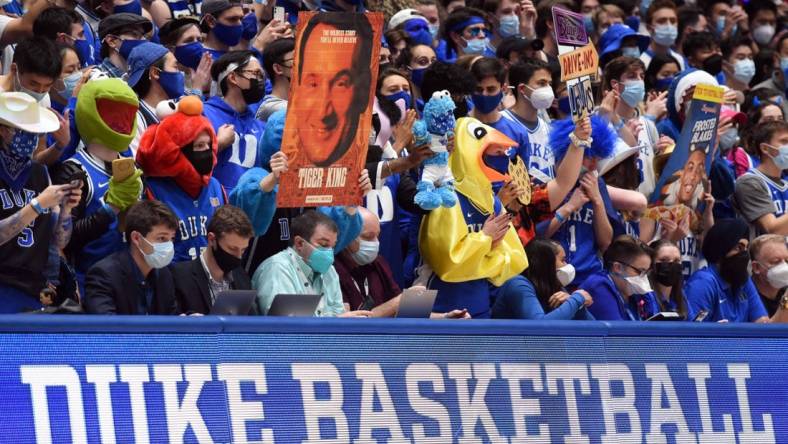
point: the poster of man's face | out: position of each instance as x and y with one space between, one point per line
329 106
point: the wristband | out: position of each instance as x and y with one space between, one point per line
559 218
585 144
36 206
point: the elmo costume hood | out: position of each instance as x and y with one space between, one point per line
166 148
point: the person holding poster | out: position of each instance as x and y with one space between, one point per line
329 114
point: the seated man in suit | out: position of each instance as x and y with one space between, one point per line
218 268
136 280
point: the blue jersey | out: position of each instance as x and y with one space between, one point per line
242 155
578 238
778 191
97 185
185 8
539 157
192 214
384 204
707 291
474 295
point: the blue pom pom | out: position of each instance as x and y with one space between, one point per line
601 147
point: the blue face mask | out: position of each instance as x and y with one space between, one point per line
663 84
665 35
509 25
419 32
134 8
634 91
633 22
23 143
721 20
630 51
249 24
127 46
161 256
486 104
784 68
404 95
228 35
588 23
190 54
434 29
781 159
476 46
320 259
84 52
171 83
417 76
563 105
729 138
744 70
69 84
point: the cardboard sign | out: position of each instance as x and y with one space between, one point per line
684 178
519 176
329 115
581 97
578 63
569 27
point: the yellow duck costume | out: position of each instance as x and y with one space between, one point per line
466 267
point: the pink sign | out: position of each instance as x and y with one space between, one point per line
569 27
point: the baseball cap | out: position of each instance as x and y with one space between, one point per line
112 23
141 58
611 40
216 7
517 44
405 15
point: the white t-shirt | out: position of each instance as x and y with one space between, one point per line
541 164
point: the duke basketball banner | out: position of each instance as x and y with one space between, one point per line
210 380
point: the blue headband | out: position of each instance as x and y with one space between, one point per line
474 20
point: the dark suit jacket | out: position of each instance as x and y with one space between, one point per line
111 287
192 288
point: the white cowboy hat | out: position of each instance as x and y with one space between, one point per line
620 152
20 110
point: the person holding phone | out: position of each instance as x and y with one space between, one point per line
35 216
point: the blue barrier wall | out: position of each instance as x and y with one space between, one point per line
170 380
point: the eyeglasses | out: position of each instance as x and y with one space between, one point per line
255 74
282 63
476 32
640 272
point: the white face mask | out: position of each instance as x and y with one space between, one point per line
541 98
367 252
763 34
565 274
778 275
162 254
638 284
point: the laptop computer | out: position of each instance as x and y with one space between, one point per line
416 303
233 302
294 305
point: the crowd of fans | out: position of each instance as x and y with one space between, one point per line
86 83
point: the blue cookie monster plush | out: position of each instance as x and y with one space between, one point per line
436 187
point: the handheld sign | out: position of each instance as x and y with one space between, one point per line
519 176
570 29
581 97
578 63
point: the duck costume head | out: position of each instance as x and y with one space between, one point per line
451 239
106 113
167 148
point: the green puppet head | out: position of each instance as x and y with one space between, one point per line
106 113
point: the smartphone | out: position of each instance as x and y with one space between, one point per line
279 14
665 316
701 316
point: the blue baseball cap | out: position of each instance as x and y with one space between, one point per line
141 58
611 40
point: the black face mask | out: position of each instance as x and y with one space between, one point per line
713 64
255 92
202 161
734 269
668 273
226 261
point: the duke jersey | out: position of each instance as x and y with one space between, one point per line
383 203
778 191
192 214
473 295
540 160
97 186
25 256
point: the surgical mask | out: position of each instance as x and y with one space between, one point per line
588 23
541 98
320 259
401 95
634 91
666 35
190 54
434 29
255 92
729 138
713 64
668 273
70 83
565 274
162 253
202 161
763 34
226 261
721 20
417 76
133 7
638 284
663 84
509 25
84 51
476 46
18 86
23 144
781 159
744 70
367 252
126 46
228 35
631 51
735 269
778 275
487 104
172 83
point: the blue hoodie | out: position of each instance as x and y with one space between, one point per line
234 160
